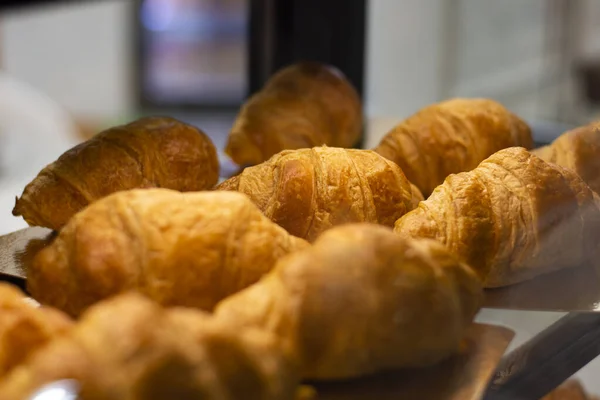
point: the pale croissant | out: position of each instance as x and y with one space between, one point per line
450 137
512 218
24 327
579 150
129 348
362 300
308 191
189 249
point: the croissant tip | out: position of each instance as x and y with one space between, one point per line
16 209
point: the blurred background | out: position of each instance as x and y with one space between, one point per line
68 70
109 61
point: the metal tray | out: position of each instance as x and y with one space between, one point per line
18 249
462 377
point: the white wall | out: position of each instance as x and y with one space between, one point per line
78 53
404 57
74 57
422 51
589 24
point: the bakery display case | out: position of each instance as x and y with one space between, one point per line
321 250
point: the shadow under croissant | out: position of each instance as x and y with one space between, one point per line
33 247
569 289
464 376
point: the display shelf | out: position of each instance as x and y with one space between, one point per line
531 370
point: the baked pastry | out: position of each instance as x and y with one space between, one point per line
450 137
189 249
24 328
416 196
569 390
361 300
150 152
307 191
513 217
579 150
304 105
130 348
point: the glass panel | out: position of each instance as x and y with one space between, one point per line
194 51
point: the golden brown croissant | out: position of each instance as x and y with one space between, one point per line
150 152
129 348
579 150
450 137
361 300
512 218
569 390
304 105
307 191
24 328
189 249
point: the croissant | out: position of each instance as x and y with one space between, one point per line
308 191
512 218
304 105
569 390
190 249
361 300
24 328
579 150
150 152
130 348
450 137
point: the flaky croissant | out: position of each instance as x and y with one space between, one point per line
511 218
308 191
579 150
24 328
361 300
150 152
129 348
450 137
304 105
190 249
571 389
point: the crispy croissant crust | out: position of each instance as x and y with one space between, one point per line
416 196
569 390
361 300
579 150
24 328
450 137
512 218
150 152
190 249
304 105
308 191
130 348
